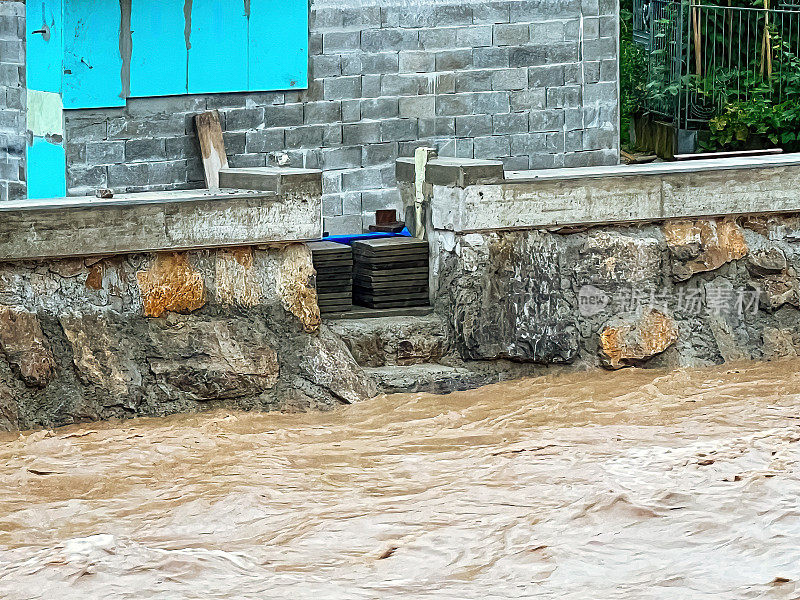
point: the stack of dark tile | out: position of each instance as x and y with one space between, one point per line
390 272
334 265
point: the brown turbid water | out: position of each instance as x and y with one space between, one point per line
636 484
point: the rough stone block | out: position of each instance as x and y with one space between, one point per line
530 56
344 225
265 140
339 42
417 106
491 147
509 123
396 130
366 64
546 76
474 125
417 62
437 39
379 108
453 60
490 12
546 120
105 153
244 119
372 200
307 136
358 134
379 154
342 88
474 80
474 36
347 157
389 40
144 150
322 112
510 79
405 85
548 32
511 34
361 179
491 58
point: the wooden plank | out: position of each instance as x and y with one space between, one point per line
390 273
218 47
396 284
278 44
212 146
390 303
325 247
389 243
92 61
398 254
159 48
389 263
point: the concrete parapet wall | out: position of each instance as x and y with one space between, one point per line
289 209
477 196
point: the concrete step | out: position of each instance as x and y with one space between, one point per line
398 340
434 379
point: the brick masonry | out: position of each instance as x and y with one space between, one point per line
532 82
12 100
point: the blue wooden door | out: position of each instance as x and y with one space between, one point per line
46 159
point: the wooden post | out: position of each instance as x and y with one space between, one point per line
209 133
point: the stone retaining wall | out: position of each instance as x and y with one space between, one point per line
677 293
561 270
154 334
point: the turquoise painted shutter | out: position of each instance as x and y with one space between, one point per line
159 54
92 62
44 63
278 44
218 47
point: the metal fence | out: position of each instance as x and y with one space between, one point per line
702 56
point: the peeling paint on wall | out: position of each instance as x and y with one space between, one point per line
125 46
45 114
187 29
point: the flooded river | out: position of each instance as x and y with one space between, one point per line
635 484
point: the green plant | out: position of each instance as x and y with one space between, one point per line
633 73
761 110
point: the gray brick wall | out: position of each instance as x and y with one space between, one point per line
533 83
12 100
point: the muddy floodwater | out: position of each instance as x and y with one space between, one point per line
635 484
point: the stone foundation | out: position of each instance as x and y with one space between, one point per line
680 293
668 264
154 334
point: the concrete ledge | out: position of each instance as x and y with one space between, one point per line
458 172
620 194
269 179
152 221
